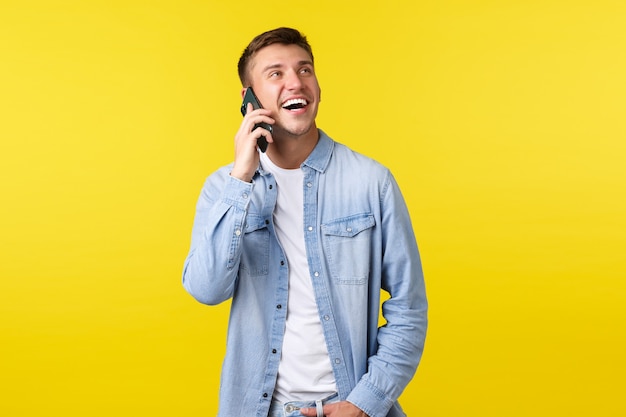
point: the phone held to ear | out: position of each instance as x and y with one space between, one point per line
250 97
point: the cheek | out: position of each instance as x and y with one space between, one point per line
265 98
318 89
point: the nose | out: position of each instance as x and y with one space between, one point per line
293 81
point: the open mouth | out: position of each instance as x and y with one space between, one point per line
295 104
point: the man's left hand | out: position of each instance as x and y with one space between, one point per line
340 409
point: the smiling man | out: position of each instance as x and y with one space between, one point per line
304 238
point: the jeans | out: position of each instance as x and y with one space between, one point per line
292 408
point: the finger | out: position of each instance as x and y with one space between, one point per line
308 412
251 112
257 119
247 127
266 133
327 409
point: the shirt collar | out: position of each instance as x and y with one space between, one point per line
320 157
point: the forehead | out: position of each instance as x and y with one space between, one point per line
278 55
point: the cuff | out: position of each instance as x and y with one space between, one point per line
370 399
237 193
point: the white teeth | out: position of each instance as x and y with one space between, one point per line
295 101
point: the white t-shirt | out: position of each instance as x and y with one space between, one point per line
305 372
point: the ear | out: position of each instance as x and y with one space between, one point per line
243 91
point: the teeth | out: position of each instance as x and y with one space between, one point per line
295 102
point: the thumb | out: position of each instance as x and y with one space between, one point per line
309 412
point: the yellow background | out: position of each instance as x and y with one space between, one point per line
503 121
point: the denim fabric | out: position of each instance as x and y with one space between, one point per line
359 240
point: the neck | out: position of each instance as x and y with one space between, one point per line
289 152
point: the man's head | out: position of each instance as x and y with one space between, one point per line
284 36
279 66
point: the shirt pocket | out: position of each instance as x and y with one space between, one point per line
347 242
255 256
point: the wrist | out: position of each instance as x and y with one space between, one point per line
242 176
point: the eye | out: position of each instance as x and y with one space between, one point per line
306 70
274 74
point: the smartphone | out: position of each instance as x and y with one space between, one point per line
250 97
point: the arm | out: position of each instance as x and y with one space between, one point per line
401 340
210 270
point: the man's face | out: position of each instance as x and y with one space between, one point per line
284 80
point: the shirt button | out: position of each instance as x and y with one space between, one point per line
237 232
349 229
327 317
244 195
282 263
267 222
309 184
279 306
271 186
317 274
273 350
265 395
310 228
337 360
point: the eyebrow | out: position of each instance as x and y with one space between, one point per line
274 66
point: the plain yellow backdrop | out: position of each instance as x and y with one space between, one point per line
503 121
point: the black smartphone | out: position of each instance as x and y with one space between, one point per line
250 97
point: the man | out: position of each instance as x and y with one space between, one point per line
303 238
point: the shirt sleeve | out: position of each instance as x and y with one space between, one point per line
210 269
401 339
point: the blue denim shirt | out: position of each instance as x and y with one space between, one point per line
359 240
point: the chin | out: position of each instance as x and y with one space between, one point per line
298 130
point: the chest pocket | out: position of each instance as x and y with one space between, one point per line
255 256
347 242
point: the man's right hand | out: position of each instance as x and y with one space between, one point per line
246 154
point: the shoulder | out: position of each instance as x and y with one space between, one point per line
345 158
